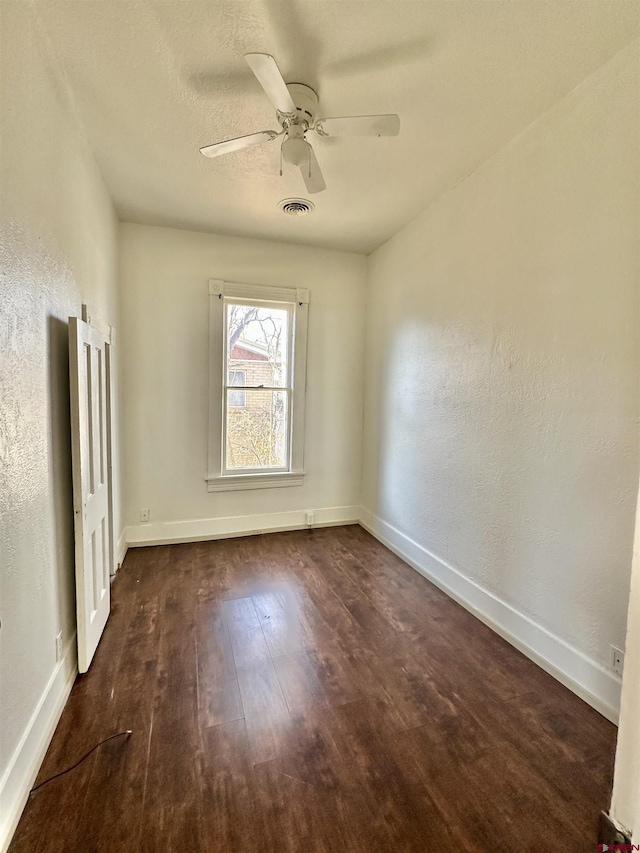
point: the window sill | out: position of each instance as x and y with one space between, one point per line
235 482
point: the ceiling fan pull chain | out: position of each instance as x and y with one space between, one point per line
281 161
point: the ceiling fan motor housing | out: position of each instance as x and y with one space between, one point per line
306 101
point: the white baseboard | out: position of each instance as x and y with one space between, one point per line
588 679
201 529
25 762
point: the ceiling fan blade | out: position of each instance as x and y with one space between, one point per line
266 70
230 145
312 174
384 125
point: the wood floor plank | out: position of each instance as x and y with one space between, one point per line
245 631
420 825
265 710
308 691
282 620
49 822
172 810
230 801
112 816
218 691
300 682
313 799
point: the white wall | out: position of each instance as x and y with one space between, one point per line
58 245
501 450
164 277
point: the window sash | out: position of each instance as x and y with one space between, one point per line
265 469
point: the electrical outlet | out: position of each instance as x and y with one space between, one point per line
310 517
59 646
617 660
144 515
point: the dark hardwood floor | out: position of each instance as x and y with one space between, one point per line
310 692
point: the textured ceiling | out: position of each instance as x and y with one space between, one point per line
154 81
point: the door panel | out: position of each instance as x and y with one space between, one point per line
90 423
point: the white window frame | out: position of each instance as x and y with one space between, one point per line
296 300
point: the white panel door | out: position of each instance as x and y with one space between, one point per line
90 444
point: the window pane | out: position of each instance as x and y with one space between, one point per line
257 432
237 398
257 344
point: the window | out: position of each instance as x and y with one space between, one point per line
257 385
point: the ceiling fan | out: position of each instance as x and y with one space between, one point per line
296 107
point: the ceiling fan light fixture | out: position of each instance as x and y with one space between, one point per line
295 150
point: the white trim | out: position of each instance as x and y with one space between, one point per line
111 431
216 379
259 292
235 482
588 679
25 762
203 529
297 400
122 549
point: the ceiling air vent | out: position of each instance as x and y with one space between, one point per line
296 206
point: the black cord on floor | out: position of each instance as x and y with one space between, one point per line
127 734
